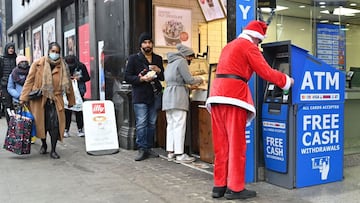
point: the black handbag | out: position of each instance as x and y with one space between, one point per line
35 94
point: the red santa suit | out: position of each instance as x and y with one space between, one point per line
231 105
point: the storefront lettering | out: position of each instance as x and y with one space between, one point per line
317 77
244 11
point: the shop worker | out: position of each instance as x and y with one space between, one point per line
231 106
143 87
7 64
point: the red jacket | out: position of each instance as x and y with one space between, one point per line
241 57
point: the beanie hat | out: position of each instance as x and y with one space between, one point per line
70 59
144 36
21 58
256 29
184 50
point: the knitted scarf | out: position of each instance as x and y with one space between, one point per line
47 83
17 73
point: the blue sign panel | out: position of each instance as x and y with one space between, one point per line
274 130
317 82
320 147
245 12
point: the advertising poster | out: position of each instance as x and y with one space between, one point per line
320 141
224 5
69 43
172 26
100 126
101 70
211 9
49 34
37 43
84 53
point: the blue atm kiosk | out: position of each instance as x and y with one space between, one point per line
303 130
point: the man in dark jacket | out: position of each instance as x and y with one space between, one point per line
78 72
7 64
143 87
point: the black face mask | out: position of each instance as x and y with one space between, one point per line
189 62
23 65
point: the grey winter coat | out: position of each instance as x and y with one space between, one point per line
177 75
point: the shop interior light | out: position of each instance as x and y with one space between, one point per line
341 11
278 8
353 4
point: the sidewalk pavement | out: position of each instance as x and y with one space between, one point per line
78 177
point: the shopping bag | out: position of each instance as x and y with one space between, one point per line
18 136
78 98
25 112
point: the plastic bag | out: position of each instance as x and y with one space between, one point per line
78 98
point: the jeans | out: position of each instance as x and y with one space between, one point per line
145 120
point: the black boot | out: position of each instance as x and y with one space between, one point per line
218 192
54 155
243 194
43 148
151 153
54 134
141 155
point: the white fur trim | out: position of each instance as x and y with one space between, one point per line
287 84
254 34
245 36
232 101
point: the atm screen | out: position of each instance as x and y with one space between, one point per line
273 93
283 67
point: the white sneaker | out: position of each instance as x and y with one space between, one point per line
66 133
171 156
184 158
81 133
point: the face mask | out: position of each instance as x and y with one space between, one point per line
23 65
189 62
54 56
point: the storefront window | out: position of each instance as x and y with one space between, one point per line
20 43
83 11
68 19
327 29
112 43
27 43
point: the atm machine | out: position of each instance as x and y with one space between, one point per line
302 130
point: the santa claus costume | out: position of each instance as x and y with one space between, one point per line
231 106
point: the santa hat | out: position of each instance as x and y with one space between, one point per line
256 29
20 58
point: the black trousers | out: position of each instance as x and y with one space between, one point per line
6 101
79 119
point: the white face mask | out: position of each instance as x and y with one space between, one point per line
54 56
